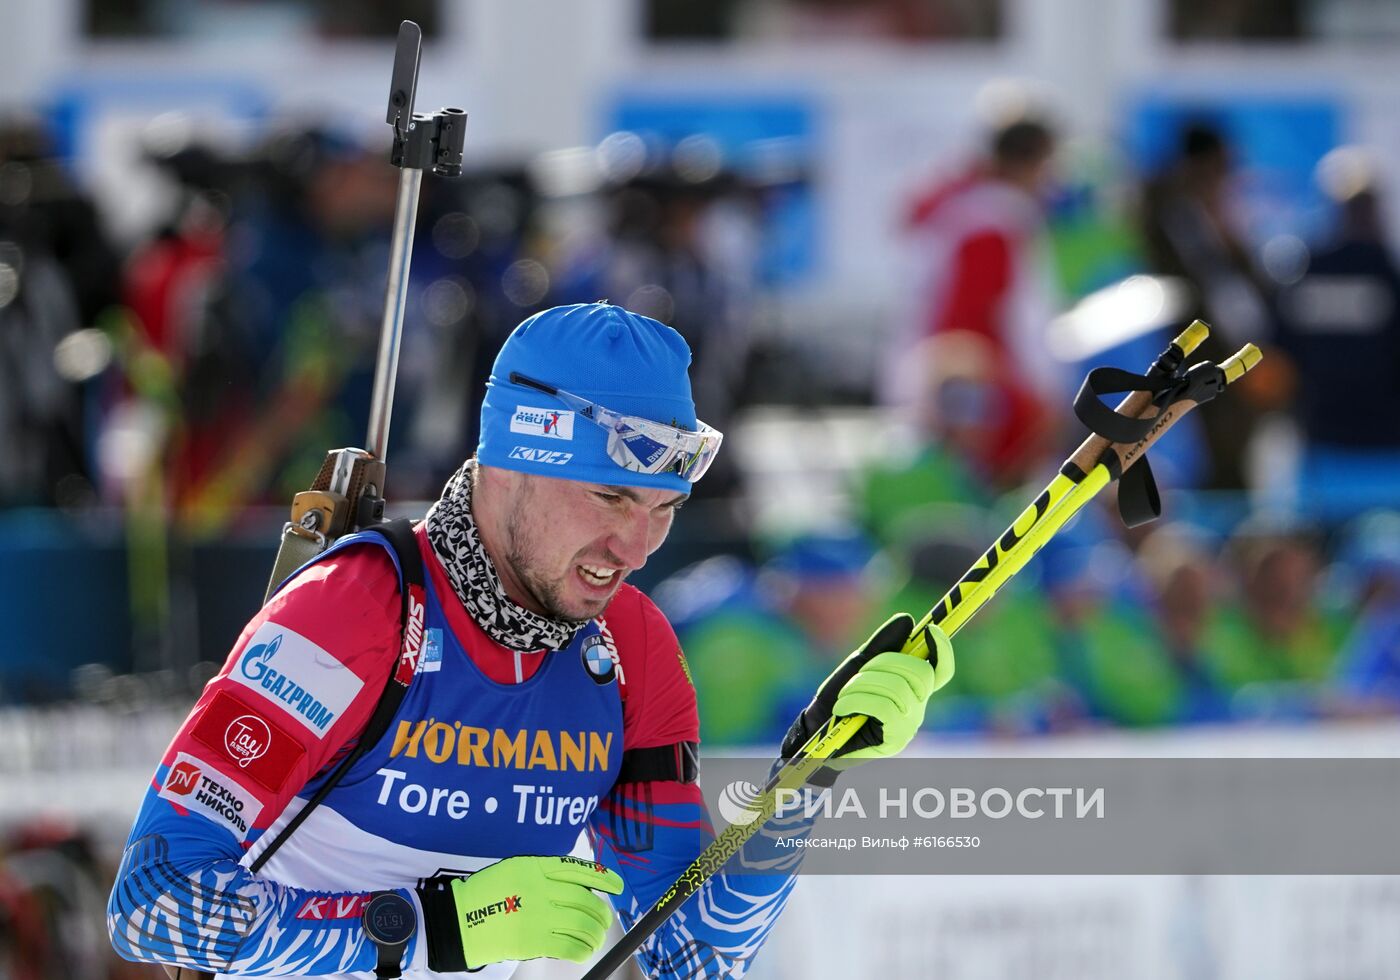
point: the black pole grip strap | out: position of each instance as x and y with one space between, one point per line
1104 421
1139 501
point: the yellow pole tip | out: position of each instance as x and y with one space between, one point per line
1190 338
1237 364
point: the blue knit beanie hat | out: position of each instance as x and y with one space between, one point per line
623 361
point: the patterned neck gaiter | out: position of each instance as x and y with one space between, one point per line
457 543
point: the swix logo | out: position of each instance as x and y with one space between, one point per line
412 636
541 455
413 629
183 778
333 907
548 422
246 739
612 652
477 916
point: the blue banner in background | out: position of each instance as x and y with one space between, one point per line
769 142
65 602
80 105
1277 142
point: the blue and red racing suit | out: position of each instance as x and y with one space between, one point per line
491 754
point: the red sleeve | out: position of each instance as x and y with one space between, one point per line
300 683
659 707
977 285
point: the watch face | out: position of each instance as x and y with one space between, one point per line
389 919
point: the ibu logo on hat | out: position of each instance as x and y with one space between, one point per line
550 423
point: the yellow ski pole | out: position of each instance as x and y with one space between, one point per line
1097 462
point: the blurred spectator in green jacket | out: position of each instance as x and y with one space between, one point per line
1183 580
758 640
1277 645
1109 648
967 438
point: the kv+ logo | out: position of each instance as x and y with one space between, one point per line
541 455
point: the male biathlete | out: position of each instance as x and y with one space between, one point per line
547 698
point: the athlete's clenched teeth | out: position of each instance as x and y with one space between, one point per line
597 574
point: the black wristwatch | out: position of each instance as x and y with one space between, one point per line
389 921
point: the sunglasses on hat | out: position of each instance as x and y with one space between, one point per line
642 445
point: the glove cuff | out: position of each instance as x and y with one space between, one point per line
796 736
440 930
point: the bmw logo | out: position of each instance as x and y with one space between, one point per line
598 660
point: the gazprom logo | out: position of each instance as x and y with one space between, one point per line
298 676
254 663
300 701
541 455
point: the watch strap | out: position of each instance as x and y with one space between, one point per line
389 962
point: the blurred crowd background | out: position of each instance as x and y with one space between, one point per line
895 233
